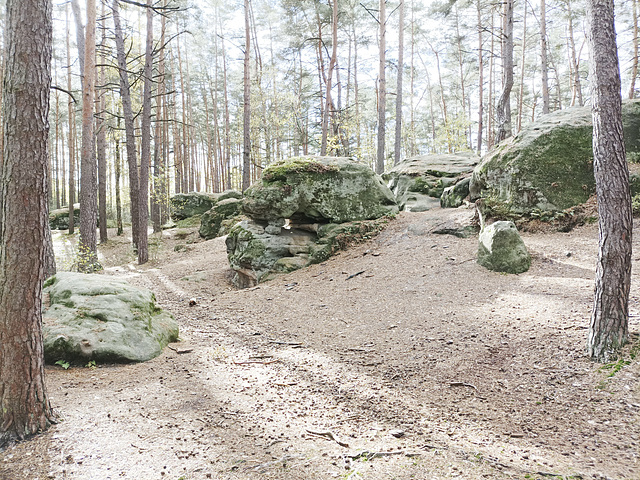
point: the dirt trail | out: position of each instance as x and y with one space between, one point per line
423 365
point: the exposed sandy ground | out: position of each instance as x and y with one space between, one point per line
484 373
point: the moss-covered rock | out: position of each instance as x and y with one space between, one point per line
501 249
253 252
419 182
454 196
101 318
257 249
328 189
185 205
548 166
59 219
211 225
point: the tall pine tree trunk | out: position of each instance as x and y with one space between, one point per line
382 87
125 95
503 110
544 63
88 261
101 140
328 109
246 149
398 142
145 154
24 406
608 330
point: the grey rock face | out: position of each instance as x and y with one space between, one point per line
501 249
101 318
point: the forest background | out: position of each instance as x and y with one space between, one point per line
444 77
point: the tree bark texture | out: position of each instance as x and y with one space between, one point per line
88 256
398 143
544 62
608 330
130 139
382 89
145 154
77 17
101 140
24 407
328 109
634 67
503 110
246 151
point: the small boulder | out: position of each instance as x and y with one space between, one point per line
501 249
212 222
101 318
419 182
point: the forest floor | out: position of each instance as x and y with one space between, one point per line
400 358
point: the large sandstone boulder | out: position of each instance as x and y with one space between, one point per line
501 249
256 248
101 318
419 182
301 211
59 219
326 189
548 166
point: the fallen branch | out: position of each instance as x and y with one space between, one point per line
265 362
371 455
180 351
329 436
290 344
462 384
355 275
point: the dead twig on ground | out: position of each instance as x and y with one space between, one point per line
355 275
265 362
329 436
463 384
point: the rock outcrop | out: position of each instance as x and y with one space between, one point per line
185 205
501 249
419 182
299 213
219 220
59 219
101 318
548 165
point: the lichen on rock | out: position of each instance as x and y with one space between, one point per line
101 318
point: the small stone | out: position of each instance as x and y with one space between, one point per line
397 433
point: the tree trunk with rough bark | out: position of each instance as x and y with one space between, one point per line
398 143
503 110
382 87
24 406
328 108
125 95
145 152
88 254
634 66
608 330
246 149
544 63
101 139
